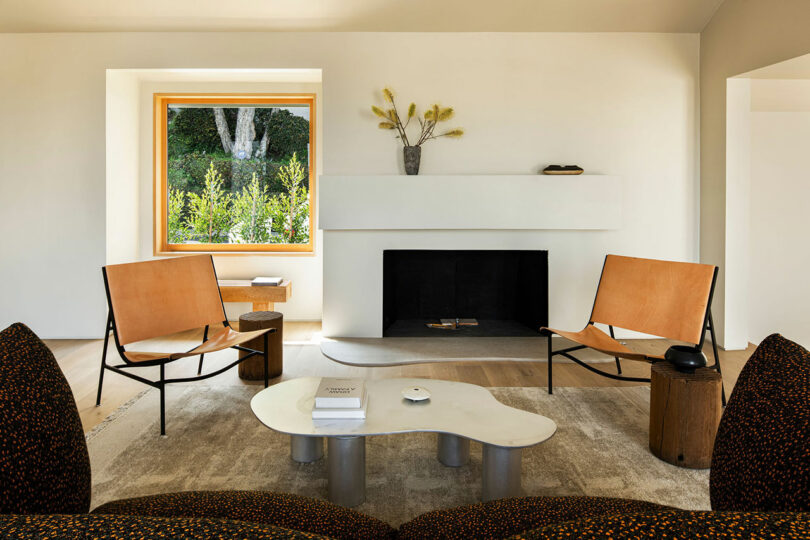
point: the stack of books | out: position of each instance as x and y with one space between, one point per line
340 399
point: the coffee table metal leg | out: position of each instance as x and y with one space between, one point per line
306 449
346 466
453 451
501 472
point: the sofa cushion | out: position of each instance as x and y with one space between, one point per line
761 458
84 526
44 465
679 524
505 517
281 509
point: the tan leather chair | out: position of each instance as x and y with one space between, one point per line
663 298
157 298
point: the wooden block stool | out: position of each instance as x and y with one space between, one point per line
252 369
685 410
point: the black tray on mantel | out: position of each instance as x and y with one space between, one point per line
563 169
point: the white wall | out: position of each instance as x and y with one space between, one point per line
734 303
51 187
619 104
780 190
742 35
123 168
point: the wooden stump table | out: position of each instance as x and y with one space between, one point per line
685 410
252 369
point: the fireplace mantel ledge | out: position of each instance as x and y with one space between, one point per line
471 202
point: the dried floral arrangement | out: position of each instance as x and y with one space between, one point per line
427 122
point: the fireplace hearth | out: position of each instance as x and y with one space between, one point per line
506 292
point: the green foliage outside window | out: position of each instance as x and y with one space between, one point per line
252 217
192 130
251 214
218 195
288 134
209 219
291 209
177 231
187 172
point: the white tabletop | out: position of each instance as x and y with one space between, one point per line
455 408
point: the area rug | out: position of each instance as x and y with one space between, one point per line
215 442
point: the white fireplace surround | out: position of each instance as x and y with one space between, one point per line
570 216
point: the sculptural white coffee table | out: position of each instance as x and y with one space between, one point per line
458 412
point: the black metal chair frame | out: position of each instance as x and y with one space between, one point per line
708 324
163 381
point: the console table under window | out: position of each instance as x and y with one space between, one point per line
262 297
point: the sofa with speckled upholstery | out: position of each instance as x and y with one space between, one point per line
45 472
759 480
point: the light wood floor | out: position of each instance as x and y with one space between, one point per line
80 360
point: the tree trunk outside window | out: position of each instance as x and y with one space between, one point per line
245 133
222 129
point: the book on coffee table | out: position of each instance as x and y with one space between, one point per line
336 393
358 413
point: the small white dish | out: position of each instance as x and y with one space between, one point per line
416 393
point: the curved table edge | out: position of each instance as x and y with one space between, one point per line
553 426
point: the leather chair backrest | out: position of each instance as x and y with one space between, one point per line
761 458
156 298
44 464
663 298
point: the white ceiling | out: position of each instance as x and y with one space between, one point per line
357 15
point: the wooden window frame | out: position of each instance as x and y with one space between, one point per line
161 102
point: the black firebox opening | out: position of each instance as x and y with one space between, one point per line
505 291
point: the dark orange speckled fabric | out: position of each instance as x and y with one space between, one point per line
86 526
282 509
761 458
679 525
505 517
44 466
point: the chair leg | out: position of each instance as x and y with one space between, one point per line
162 400
550 354
205 338
717 359
618 363
266 360
103 358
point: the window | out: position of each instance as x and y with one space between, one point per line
234 173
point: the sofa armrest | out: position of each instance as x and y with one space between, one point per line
505 517
281 509
679 524
111 527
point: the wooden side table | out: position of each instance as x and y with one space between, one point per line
252 369
685 410
263 298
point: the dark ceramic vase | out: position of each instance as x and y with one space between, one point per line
412 156
685 358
